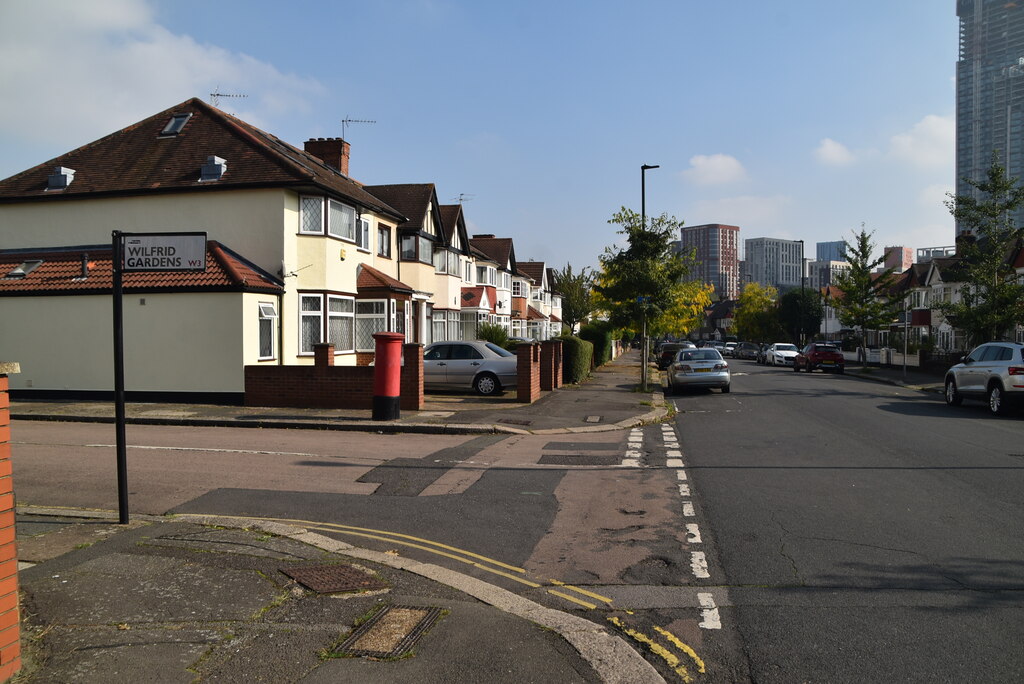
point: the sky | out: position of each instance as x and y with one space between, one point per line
800 119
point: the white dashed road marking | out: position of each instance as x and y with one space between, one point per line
699 564
709 611
692 533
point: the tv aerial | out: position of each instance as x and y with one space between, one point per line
346 121
216 95
463 197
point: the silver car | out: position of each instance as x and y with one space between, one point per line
994 371
482 366
699 368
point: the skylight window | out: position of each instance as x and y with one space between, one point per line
24 269
176 123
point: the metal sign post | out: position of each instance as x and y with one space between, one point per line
142 252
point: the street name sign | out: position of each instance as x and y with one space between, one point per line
164 252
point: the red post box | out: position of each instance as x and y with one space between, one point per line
387 376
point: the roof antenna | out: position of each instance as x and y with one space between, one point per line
216 95
463 197
346 121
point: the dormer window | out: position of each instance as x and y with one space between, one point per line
213 169
24 269
175 125
60 178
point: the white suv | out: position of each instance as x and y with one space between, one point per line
994 371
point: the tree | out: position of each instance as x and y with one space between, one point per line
577 295
800 313
756 316
865 304
992 297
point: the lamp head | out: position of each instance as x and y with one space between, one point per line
648 166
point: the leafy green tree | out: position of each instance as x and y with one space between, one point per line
992 297
577 295
865 304
756 314
800 312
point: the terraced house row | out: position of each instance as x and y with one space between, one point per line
298 253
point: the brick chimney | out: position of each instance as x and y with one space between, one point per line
332 151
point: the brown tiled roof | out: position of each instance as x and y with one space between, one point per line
533 314
61 272
472 297
371 279
410 199
532 269
450 215
499 250
138 160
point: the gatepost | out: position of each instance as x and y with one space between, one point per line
10 622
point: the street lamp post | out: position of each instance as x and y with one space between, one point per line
800 329
643 224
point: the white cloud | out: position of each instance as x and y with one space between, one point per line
750 212
714 169
931 143
76 71
832 153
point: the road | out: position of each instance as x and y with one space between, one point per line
801 528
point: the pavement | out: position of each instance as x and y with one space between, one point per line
184 598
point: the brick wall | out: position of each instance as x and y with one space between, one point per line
528 367
10 623
324 385
550 365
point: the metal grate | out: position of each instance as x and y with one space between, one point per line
330 579
391 633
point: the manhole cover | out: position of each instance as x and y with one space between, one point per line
391 632
329 579
593 419
515 421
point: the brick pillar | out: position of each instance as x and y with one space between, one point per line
412 377
323 354
528 369
10 622
550 365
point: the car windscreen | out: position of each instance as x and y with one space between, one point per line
500 351
785 347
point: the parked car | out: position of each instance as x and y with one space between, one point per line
667 352
993 371
781 354
821 355
730 349
481 366
699 368
762 354
746 350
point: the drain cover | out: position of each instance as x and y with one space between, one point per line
391 632
329 579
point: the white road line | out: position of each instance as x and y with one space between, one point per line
630 463
684 490
632 453
709 611
693 533
699 565
682 475
217 451
674 463
673 453
688 509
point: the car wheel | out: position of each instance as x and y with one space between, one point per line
725 390
486 384
953 397
996 400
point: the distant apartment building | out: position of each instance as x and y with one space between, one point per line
716 247
898 258
989 92
830 251
926 254
823 273
775 262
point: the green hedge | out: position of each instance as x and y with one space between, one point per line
577 358
600 334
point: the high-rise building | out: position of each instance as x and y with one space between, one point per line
823 273
899 258
775 262
831 251
989 91
717 250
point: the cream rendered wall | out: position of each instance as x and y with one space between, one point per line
447 291
247 221
172 342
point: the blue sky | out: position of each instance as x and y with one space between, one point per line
800 119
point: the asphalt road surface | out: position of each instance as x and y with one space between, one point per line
862 532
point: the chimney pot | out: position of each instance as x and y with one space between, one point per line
332 151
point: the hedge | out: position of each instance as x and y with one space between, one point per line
577 358
599 334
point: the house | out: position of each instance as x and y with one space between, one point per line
335 262
539 325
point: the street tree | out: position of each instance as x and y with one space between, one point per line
756 315
576 290
800 312
991 295
865 304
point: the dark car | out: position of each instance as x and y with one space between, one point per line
993 372
821 355
667 352
746 350
762 354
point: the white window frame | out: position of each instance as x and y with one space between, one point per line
383 240
363 234
317 314
375 315
267 324
350 314
347 230
306 204
517 288
467 273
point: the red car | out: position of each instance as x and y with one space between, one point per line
821 355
